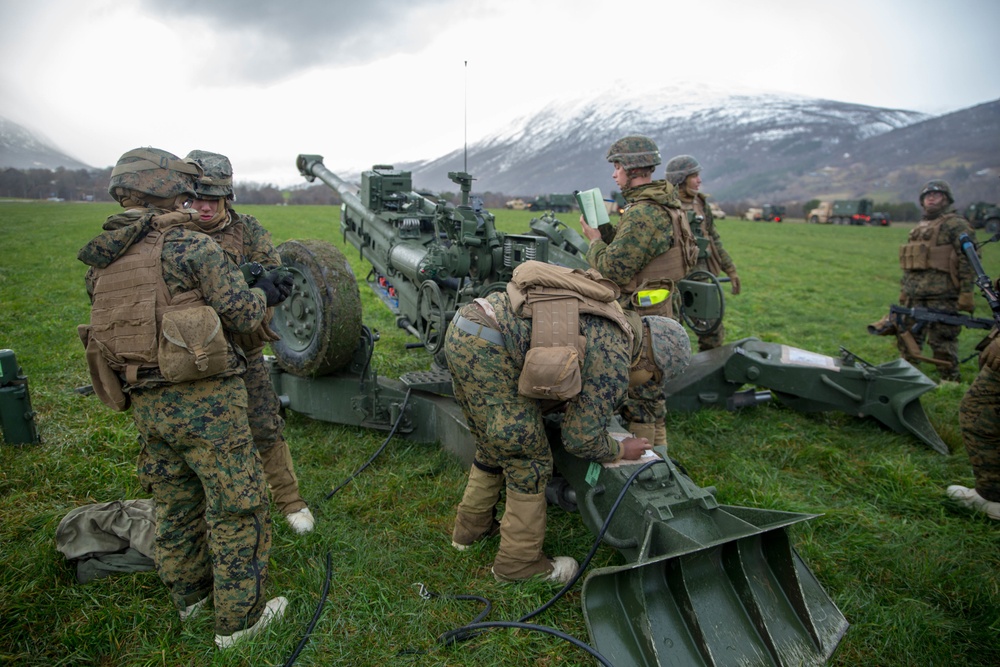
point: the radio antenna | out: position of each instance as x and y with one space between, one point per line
465 137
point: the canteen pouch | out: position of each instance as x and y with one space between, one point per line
551 373
192 344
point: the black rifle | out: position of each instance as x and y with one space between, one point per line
982 280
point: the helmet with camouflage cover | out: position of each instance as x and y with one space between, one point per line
216 180
680 167
634 151
671 345
937 186
144 173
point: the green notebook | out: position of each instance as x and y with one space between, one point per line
592 205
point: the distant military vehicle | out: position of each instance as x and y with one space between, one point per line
880 219
773 213
982 215
717 211
842 212
517 205
556 203
753 214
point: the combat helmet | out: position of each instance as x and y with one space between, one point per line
634 151
937 186
152 173
216 180
671 345
680 167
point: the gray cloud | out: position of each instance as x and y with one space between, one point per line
265 41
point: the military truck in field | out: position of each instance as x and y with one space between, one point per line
556 203
842 212
753 214
517 205
983 215
773 213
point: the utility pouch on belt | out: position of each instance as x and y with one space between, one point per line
105 381
552 366
654 297
192 344
553 297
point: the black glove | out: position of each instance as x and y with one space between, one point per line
282 279
272 294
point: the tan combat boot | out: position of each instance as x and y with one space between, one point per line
280 474
661 434
476 516
522 533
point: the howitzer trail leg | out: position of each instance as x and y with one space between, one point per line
476 516
522 534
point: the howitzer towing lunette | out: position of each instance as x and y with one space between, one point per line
704 583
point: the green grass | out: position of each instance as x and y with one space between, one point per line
917 577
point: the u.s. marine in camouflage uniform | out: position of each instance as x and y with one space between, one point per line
652 246
246 241
486 346
936 274
684 172
213 528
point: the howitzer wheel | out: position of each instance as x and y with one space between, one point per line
320 322
700 326
433 320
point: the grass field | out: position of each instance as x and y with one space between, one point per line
917 577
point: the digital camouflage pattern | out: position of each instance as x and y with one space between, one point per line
714 258
198 460
645 231
508 427
216 179
153 172
679 168
979 419
931 288
634 151
213 529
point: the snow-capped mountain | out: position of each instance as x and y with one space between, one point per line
20 149
752 146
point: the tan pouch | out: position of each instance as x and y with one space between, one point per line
663 308
104 380
551 373
192 344
915 257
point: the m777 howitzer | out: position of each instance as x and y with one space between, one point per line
714 584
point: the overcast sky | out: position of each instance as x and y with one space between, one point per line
377 81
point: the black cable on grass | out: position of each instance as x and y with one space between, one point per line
392 432
469 631
597 542
319 608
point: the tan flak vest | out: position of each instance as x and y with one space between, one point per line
553 298
138 332
923 253
664 270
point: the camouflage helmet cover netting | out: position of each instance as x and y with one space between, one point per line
634 151
937 186
153 172
217 174
680 167
671 345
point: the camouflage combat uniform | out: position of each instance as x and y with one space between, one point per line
213 528
979 419
645 232
245 240
938 289
508 429
713 258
